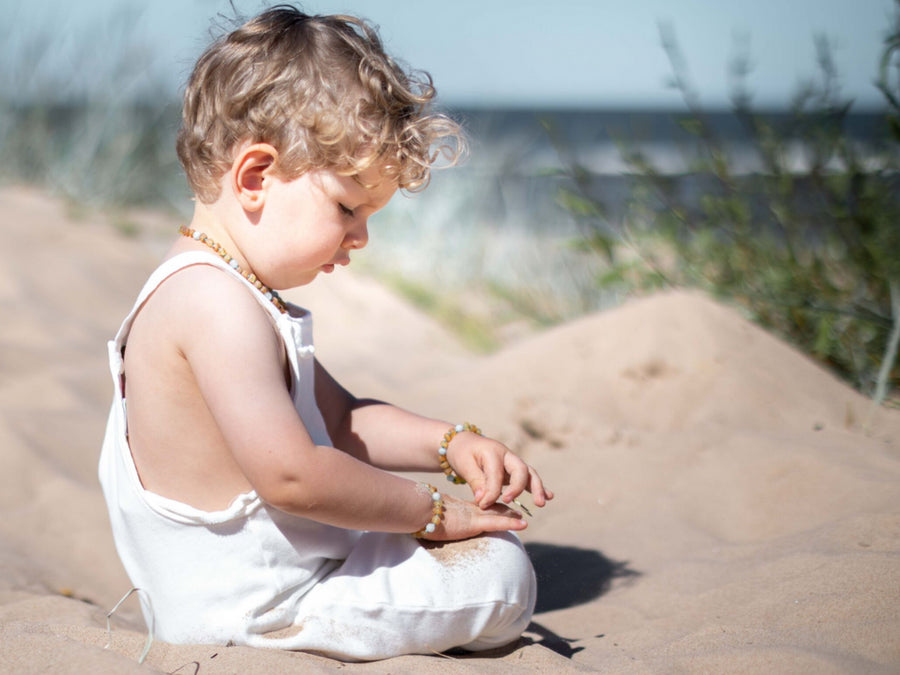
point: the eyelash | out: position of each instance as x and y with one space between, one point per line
345 210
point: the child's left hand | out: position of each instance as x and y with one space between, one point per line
488 466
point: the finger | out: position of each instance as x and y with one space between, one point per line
549 494
490 522
475 479
465 519
539 493
519 475
474 475
494 473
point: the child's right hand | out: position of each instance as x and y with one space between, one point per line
487 466
463 520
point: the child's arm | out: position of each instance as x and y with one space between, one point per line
397 440
236 358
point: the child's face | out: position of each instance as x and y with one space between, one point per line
313 222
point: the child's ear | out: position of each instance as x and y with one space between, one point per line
253 166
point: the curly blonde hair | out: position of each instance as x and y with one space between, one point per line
322 91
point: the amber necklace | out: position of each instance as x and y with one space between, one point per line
265 290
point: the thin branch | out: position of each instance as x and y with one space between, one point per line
890 356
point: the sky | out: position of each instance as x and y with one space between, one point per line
489 53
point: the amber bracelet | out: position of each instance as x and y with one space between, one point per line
442 451
437 512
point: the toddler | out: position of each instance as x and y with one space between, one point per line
251 497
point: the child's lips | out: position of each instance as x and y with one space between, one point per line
330 266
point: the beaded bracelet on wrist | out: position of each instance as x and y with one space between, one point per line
442 451
437 512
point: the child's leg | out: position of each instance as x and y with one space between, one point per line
395 596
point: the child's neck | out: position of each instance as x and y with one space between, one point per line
212 220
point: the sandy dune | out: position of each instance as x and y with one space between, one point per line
719 507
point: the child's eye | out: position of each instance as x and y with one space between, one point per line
346 210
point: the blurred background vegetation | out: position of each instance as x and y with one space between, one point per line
801 229
792 216
99 132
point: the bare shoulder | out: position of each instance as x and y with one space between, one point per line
204 320
205 307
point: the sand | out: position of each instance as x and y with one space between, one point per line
719 508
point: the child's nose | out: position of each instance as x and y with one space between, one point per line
357 236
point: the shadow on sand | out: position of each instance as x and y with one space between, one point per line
569 576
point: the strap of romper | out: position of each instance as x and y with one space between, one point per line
175 264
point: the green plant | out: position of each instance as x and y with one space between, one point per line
97 130
808 243
475 332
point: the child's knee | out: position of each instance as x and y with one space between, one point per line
515 592
513 570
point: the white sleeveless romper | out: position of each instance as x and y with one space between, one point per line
253 575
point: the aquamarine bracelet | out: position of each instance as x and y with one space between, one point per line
442 451
437 512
